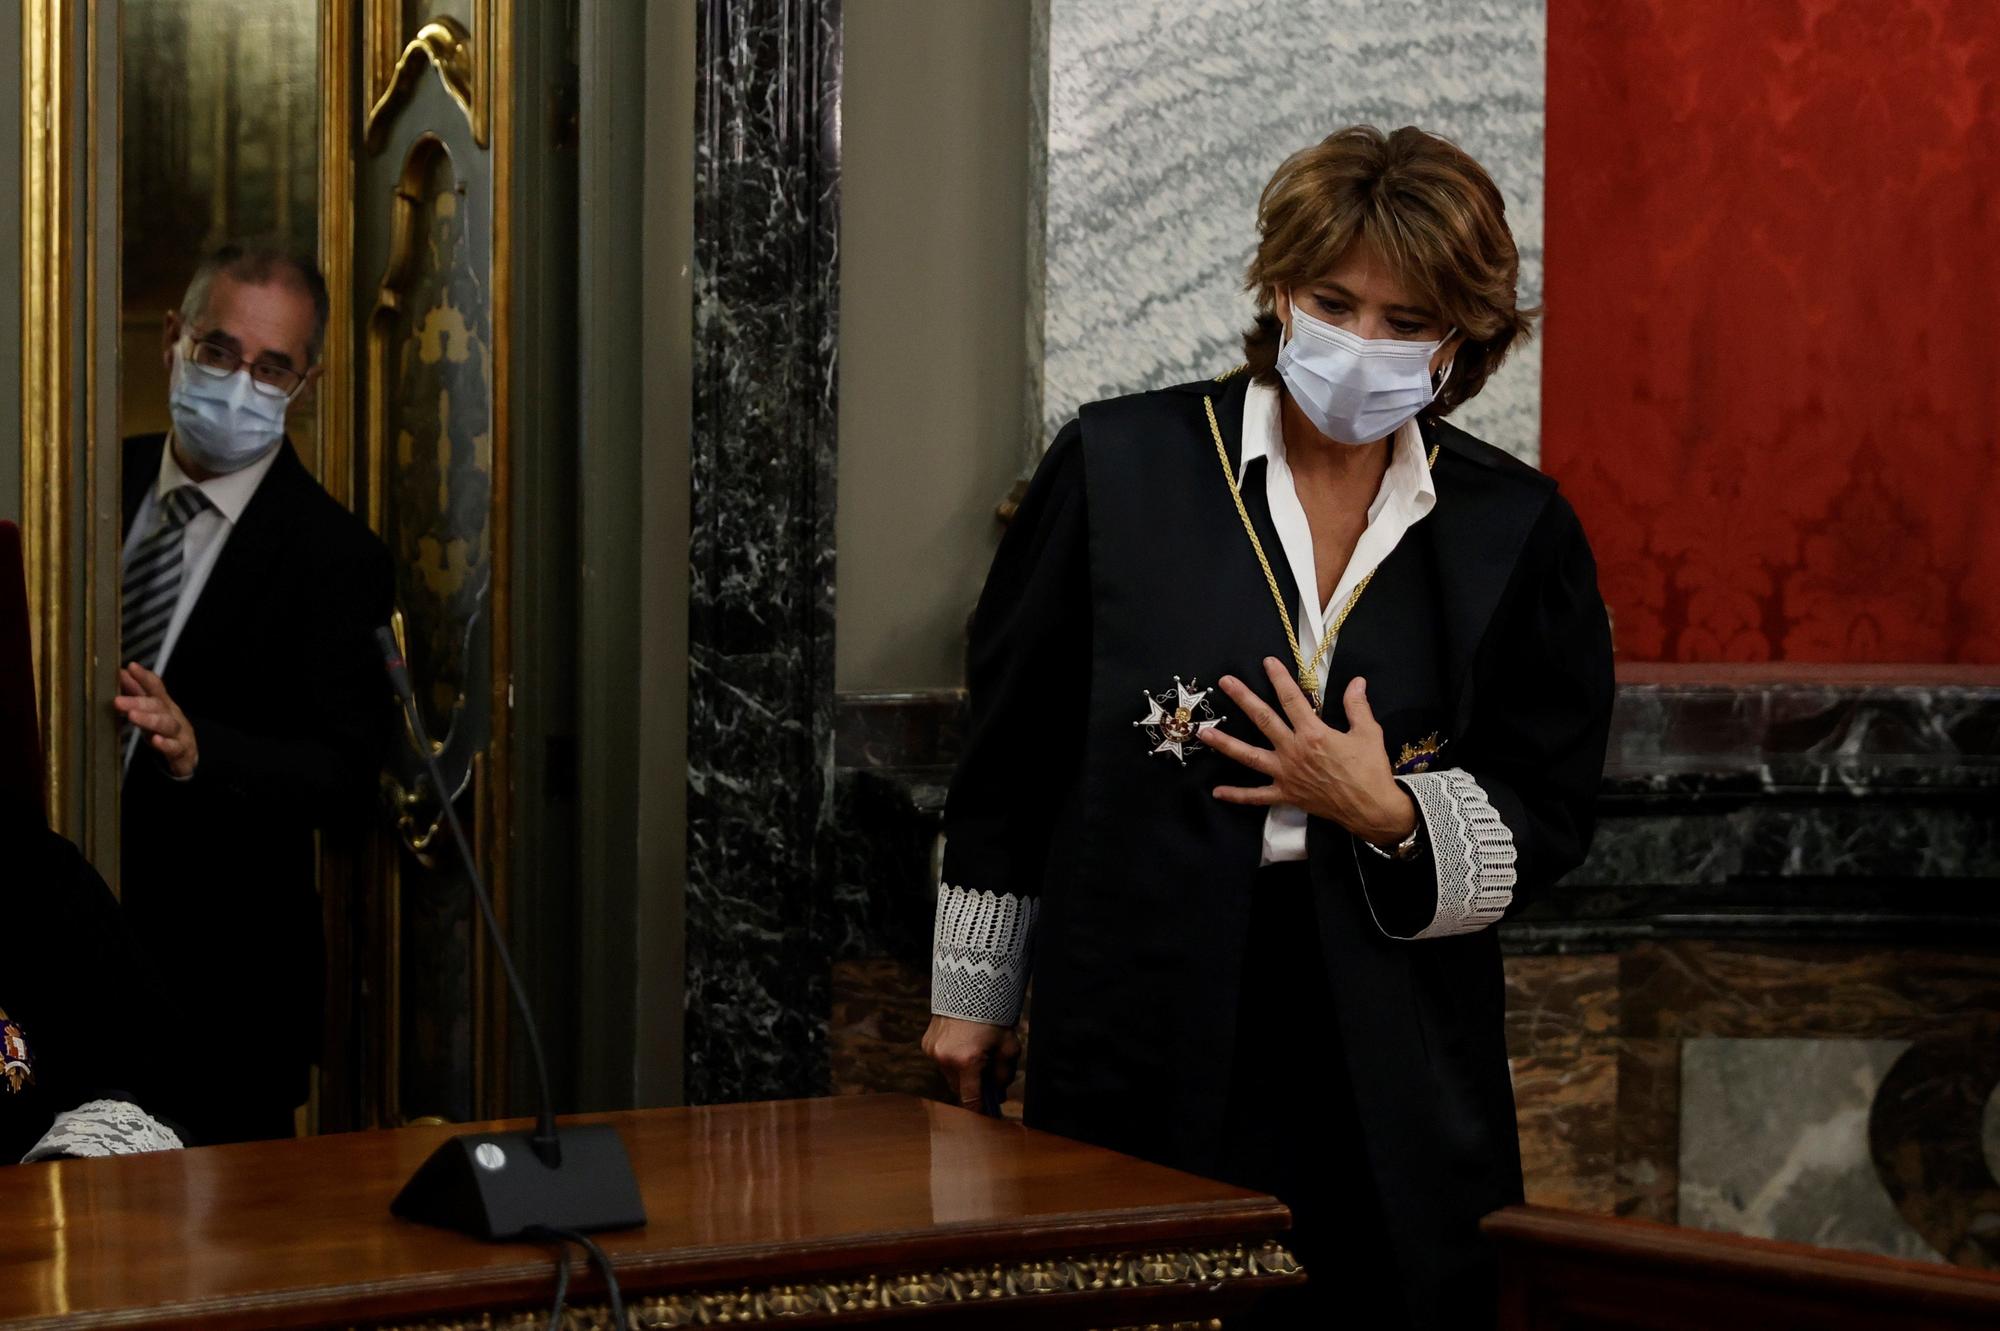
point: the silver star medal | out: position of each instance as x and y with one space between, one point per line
1176 720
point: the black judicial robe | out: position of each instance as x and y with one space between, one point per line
88 1017
1127 565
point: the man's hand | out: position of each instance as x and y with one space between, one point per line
1342 776
142 699
973 1055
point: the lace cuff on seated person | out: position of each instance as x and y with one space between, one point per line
103 1127
979 954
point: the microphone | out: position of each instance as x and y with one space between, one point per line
484 1183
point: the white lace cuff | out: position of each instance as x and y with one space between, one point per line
1472 853
979 954
103 1127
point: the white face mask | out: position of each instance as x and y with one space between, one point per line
222 424
1356 390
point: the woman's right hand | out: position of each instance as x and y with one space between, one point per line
973 1055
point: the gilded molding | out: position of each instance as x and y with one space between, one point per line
48 303
100 518
462 59
495 20
866 1296
335 394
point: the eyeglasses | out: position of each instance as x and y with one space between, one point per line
220 361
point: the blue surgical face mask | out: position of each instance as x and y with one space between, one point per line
1353 389
222 423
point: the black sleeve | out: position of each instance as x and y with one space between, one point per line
321 757
1534 751
1028 674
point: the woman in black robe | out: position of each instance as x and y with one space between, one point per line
1259 927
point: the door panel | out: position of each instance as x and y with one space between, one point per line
429 466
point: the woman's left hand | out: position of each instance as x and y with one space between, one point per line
1340 775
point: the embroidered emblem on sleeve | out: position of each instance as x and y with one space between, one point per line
1471 848
103 1127
1420 756
979 954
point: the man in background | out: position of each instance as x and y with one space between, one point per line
255 708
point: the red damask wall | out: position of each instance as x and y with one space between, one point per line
1773 284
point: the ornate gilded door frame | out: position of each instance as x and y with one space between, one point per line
407 106
70 506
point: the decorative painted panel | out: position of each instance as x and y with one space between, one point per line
430 345
430 280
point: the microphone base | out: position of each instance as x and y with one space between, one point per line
492 1185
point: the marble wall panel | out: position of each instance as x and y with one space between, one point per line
1896 727
899 729
880 1008
1561 1005
1166 117
1888 838
1649 1118
1567 1108
760 616
1934 1135
1775 1143
1562 1027
1693 990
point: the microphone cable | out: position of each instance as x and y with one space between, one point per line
562 1285
599 1258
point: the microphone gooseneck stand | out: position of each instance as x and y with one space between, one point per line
510 1185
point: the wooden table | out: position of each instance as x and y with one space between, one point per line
812 1212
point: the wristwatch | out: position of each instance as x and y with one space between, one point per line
1406 849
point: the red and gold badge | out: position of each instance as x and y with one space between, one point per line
16 1063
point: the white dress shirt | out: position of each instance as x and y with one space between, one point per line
1405 497
201 540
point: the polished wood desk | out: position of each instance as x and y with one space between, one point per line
1565 1271
809 1212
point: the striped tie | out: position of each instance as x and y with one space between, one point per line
153 578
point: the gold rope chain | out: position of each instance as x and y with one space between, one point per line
1308 671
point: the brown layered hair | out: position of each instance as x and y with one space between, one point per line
1429 210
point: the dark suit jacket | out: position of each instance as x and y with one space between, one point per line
1126 566
277 670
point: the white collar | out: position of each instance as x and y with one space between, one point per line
229 494
1407 482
